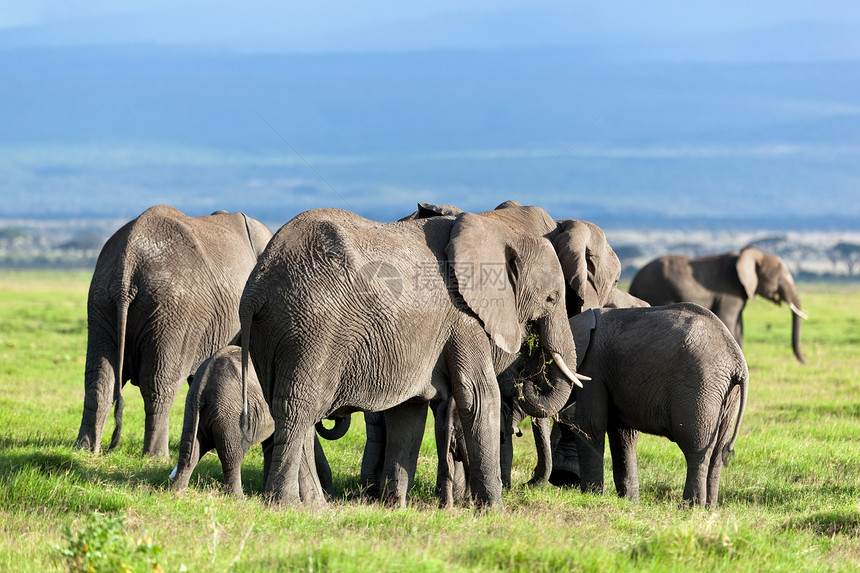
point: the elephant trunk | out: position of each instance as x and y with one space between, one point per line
788 292
546 388
795 336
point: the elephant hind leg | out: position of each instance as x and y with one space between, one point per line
158 392
189 457
625 468
714 471
695 487
288 444
724 436
231 458
404 425
323 469
310 488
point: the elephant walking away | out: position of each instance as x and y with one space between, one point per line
672 371
723 284
164 297
212 410
344 314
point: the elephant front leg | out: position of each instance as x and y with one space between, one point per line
446 466
590 425
479 405
625 468
404 426
268 446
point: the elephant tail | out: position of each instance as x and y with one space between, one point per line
741 379
246 316
341 426
117 419
189 443
125 299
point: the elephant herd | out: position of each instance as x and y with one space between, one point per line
485 318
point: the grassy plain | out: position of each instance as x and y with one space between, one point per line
789 502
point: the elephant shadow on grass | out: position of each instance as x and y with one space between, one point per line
61 477
61 480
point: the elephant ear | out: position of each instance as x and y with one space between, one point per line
582 325
484 265
427 210
591 268
747 264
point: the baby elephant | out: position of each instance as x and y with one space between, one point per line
670 371
212 410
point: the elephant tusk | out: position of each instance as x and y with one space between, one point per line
797 311
173 473
575 378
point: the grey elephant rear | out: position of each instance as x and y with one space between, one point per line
670 371
164 296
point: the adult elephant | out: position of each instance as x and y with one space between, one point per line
591 270
723 284
164 297
344 314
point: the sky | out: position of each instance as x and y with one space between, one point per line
691 102
716 31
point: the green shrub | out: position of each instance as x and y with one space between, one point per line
102 546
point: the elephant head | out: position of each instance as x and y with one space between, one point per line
768 276
511 279
621 299
591 267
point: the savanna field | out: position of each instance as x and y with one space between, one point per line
790 501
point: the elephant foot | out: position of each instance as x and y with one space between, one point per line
564 478
565 472
537 482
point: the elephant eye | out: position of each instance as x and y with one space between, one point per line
552 298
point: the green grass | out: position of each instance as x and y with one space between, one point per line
789 502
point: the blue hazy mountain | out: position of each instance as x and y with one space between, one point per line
108 130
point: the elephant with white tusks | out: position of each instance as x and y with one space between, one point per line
343 314
722 284
591 270
164 296
672 371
